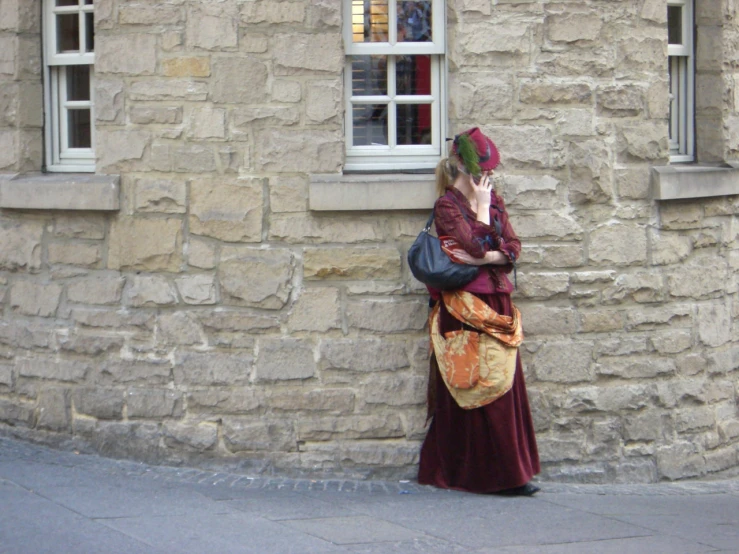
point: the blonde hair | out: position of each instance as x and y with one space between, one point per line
446 173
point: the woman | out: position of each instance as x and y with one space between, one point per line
491 448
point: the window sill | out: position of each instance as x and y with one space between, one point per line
60 191
396 191
678 182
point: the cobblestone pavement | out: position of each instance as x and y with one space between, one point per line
58 502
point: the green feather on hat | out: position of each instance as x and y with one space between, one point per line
468 154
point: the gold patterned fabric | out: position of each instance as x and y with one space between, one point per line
476 366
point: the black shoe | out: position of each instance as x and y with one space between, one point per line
524 490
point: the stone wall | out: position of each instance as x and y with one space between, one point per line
215 317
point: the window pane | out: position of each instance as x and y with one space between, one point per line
414 21
675 24
414 123
370 20
67 2
78 129
68 32
413 75
369 122
88 1
89 32
78 82
369 75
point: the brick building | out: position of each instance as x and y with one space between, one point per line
206 205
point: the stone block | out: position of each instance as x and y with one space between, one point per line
323 14
309 228
6 376
610 398
200 436
573 27
548 320
102 289
540 226
35 299
543 285
324 101
207 123
180 328
17 413
231 401
239 322
632 183
397 390
141 58
115 148
212 368
555 92
620 100
282 359
197 289
254 435
80 254
363 355
350 427
160 115
619 244
145 244
160 196
286 90
194 158
679 460
149 290
201 253
212 26
714 324
79 227
335 401
636 367
229 76
305 151
142 14
8 55
168 89
109 95
98 402
669 247
671 342
351 263
255 277
644 141
243 120
298 53
20 245
564 362
700 275
127 372
288 194
481 43
387 316
54 410
226 209
153 404
272 13
641 287
316 310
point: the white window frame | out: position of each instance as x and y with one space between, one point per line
59 156
681 60
394 156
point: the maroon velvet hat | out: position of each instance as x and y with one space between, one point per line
487 152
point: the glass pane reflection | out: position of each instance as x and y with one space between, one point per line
414 21
89 32
369 124
68 32
414 123
78 129
67 2
675 24
369 75
78 82
369 20
413 75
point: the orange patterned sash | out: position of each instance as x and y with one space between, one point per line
477 367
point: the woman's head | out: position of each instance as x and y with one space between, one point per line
475 151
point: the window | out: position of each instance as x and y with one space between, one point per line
394 84
69 55
682 79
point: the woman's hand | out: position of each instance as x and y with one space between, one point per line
482 192
493 257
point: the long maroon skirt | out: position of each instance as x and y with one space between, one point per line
486 449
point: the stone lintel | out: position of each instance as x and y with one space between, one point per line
60 191
337 192
677 182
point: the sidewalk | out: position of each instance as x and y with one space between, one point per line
59 502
